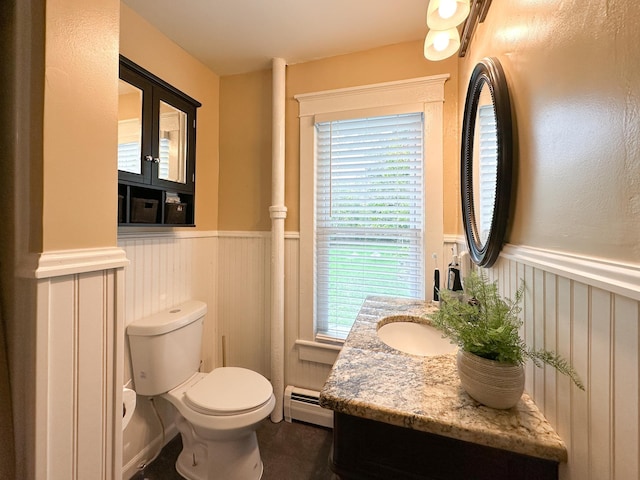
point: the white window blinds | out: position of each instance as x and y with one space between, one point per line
369 215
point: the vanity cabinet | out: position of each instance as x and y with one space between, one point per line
406 417
365 449
156 150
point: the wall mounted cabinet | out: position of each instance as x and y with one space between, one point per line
156 150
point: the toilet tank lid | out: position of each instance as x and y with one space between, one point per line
168 320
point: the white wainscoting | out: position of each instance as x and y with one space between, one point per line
244 306
78 363
165 269
588 314
590 317
231 272
244 299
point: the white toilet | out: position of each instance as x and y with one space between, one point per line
218 412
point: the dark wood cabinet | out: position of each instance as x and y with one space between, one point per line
156 150
364 449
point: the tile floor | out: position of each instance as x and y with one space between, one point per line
290 451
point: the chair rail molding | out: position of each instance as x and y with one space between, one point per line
72 262
616 277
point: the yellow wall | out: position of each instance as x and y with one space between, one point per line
245 139
145 45
79 136
574 79
245 152
79 169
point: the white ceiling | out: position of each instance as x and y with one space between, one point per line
237 36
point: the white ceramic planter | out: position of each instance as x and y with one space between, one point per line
494 384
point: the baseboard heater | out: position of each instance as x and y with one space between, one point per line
304 405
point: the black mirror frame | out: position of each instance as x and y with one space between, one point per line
489 72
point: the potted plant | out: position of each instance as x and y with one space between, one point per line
492 355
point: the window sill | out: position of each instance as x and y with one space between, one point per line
318 352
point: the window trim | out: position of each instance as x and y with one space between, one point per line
424 94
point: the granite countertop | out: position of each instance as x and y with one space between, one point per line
372 380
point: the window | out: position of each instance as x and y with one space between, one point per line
390 216
369 215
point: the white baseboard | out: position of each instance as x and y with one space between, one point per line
303 404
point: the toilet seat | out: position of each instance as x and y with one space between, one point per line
229 391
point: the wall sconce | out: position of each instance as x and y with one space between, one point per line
441 44
443 18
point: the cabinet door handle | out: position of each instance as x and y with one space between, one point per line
148 158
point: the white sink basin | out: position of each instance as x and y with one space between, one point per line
414 338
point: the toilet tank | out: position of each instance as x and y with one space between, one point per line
165 347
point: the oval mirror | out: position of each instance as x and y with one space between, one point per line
486 162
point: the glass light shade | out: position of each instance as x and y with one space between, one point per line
441 44
445 14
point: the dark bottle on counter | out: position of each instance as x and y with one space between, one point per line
454 282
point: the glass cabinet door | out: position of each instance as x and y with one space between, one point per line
172 144
135 103
129 128
156 133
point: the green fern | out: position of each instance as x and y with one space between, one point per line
487 325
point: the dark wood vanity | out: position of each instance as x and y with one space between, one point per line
366 449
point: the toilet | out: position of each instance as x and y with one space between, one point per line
217 413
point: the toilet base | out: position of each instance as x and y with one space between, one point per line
233 458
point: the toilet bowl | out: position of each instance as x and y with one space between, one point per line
217 416
217 413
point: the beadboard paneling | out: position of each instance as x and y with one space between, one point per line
79 336
244 303
244 306
598 331
165 269
593 326
298 372
236 268
626 401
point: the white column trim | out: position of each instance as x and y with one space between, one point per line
70 262
609 275
278 213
